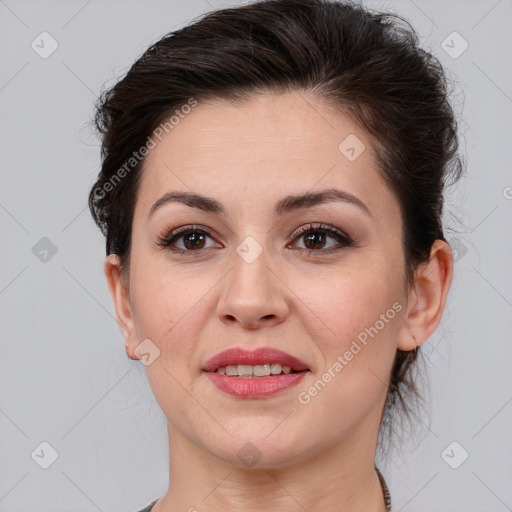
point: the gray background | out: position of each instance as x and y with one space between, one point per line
64 375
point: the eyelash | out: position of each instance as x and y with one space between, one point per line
167 240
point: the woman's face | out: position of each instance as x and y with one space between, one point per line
261 274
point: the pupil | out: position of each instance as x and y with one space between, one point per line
316 239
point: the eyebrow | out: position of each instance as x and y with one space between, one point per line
286 205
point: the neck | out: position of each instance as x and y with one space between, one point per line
339 479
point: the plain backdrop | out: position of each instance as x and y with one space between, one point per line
65 379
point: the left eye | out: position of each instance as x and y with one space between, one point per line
315 238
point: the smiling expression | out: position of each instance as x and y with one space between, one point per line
324 259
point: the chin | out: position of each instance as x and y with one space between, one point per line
259 450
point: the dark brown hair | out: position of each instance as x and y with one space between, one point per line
367 64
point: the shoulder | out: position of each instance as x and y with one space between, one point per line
148 507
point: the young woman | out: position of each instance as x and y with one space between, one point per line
271 193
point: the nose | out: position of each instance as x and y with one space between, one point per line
253 295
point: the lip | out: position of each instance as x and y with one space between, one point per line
262 355
254 387
260 387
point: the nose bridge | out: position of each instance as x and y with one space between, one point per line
252 294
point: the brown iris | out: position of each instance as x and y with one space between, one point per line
316 239
197 240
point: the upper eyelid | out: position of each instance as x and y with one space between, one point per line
322 226
302 229
182 231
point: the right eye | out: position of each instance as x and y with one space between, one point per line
192 239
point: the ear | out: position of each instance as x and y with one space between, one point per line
427 298
122 303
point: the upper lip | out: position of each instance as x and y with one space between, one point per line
263 355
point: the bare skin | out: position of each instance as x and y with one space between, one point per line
305 295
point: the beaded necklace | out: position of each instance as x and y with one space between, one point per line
385 490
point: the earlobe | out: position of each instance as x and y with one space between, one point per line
427 298
122 303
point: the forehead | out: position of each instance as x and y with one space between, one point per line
254 152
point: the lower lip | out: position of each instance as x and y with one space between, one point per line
257 387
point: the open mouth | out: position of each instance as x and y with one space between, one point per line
254 374
247 371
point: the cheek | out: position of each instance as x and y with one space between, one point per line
362 315
161 298
169 308
364 336
362 311
352 299
166 310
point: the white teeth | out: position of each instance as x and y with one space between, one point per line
231 370
275 368
261 370
244 369
248 371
